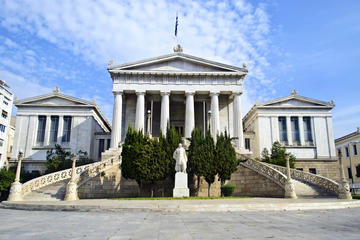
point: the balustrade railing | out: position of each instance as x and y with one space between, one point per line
317 180
267 171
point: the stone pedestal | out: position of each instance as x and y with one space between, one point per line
181 185
15 192
290 189
71 192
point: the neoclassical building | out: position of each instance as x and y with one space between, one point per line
55 118
177 89
303 125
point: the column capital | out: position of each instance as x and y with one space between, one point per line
140 93
165 93
237 93
190 93
118 92
214 94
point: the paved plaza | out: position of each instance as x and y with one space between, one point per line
311 224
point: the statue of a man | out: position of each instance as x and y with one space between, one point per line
181 159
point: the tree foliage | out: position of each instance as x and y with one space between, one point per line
278 155
59 159
148 160
225 157
7 177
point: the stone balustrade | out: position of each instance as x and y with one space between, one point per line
325 183
267 171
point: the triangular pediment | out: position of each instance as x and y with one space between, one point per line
55 99
177 62
295 101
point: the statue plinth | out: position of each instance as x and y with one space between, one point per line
71 192
181 185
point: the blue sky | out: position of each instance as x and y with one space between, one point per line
310 46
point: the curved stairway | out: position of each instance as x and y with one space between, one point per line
52 187
306 184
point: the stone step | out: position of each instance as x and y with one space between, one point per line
53 192
304 190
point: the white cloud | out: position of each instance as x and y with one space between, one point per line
231 31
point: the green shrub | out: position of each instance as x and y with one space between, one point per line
227 190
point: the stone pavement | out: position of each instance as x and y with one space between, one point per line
314 224
211 205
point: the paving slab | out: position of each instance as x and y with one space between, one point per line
211 205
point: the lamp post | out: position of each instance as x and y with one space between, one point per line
71 188
148 126
16 186
289 185
344 188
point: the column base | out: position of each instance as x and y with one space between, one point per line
71 192
344 191
290 190
15 192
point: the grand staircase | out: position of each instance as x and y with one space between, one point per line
52 187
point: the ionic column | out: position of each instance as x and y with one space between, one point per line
116 122
288 131
238 127
60 129
301 131
140 111
47 130
215 119
165 112
189 114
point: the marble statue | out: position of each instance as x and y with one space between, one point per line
181 159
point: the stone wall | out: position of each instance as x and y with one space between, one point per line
329 169
250 183
110 184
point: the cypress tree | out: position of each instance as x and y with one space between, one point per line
225 157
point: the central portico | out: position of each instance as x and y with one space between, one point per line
184 91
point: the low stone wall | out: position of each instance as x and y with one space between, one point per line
110 184
250 183
328 169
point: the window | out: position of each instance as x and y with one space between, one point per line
349 173
5 102
307 131
312 170
54 129
41 130
4 114
355 149
282 130
295 130
300 169
247 143
108 144
347 151
101 146
66 129
1 142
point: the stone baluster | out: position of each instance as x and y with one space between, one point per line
344 188
237 119
289 185
116 122
165 112
71 188
189 114
16 186
140 111
215 118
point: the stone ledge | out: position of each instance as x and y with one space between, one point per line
216 205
